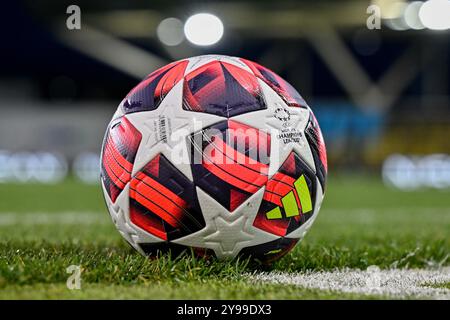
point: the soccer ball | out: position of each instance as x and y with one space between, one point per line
217 154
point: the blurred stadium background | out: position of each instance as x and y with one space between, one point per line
381 96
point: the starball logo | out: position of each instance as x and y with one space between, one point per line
282 114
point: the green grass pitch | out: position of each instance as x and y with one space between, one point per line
44 229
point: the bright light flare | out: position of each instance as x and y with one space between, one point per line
170 31
411 15
435 14
203 29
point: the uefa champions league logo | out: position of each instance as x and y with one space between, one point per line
282 114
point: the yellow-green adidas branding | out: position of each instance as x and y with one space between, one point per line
289 203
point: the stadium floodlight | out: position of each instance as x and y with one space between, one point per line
397 24
203 29
25 167
86 167
395 20
411 15
390 9
170 31
435 14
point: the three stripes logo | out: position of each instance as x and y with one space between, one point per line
289 202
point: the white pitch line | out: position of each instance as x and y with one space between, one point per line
57 218
396 283
358 215
364 214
